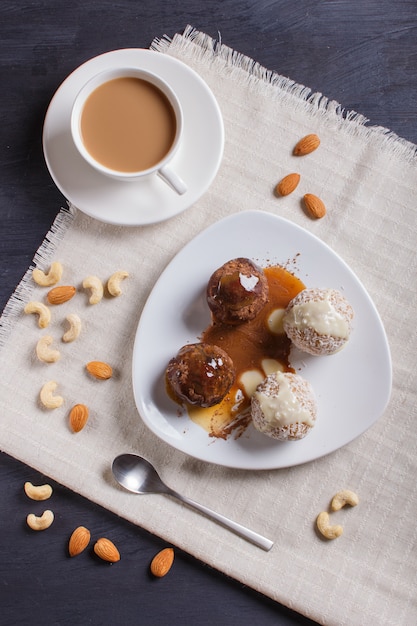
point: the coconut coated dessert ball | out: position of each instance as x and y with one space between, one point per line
284 407
237 291
201 374
318 321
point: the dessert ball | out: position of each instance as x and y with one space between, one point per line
284 406
318 321
237 291
201 374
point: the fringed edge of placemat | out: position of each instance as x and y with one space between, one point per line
198 45
42 257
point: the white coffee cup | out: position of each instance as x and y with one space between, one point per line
156 92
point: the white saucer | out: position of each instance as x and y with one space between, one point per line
149 200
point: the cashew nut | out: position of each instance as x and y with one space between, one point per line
42 310
50 278
113 284
96 286
324 526
40 492
42 522
47 397
74 329
344 497
44 353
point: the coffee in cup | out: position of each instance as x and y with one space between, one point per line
127 123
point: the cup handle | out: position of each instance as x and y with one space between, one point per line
172 179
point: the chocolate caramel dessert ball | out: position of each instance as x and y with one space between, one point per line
201 374
284 407
318 321
237 291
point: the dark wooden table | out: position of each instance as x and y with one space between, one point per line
361 53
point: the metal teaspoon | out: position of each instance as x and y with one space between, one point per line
136 474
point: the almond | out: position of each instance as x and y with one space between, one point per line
79 540
78 417
106 550
162 562
287 184
307 144
314 206
100 370
59 295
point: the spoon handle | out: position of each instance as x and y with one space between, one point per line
249 535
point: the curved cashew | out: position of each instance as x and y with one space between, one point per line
47 397
42 310
328 531
113 284
44 353
74 329
50 278
96 286
40 492
344 497
42 522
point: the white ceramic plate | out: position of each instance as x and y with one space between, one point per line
150 200
352 387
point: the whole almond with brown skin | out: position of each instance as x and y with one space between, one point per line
306 145
100 370
61 294
287 184
79 540
314 206
78 417
162 562
106 550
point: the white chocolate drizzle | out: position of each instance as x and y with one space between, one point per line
283 407
321 316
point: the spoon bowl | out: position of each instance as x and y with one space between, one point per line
137 475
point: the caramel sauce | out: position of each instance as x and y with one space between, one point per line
253 347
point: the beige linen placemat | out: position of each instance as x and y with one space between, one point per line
368 180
